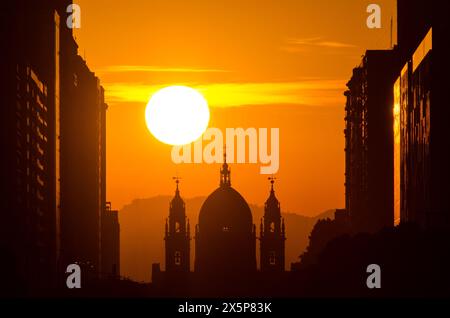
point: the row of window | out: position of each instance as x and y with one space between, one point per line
177 258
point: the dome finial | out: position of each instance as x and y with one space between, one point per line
225 153
225 179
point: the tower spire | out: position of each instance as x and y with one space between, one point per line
272 181
177 182
177 234
225 179
272 235
225 153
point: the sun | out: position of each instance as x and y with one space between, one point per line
177 115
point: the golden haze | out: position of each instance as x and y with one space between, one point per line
259 63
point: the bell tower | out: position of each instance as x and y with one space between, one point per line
177 235
272 235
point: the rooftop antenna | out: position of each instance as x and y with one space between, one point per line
391 31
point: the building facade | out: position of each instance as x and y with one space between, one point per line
83 187
369 142
30 36
53 128
110 243
421 111
413 78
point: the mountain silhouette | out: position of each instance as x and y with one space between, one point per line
142 233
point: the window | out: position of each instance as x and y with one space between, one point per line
272 227
226 229
177 227
177 258
272 258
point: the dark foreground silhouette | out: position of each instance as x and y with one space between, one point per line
413 263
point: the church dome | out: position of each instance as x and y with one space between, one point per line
225 210
225 237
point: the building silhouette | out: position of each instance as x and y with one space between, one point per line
83 166
53 130
110 252
421 114
414 18
30 34
225 237
177 236
225 247
369 142
272 235
397 152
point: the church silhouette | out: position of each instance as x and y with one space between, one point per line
225 245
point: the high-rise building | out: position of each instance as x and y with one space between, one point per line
369 142
30 35
52 122
421 110
272 237
110 243
83 185
413 22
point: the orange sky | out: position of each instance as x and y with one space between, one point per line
258 63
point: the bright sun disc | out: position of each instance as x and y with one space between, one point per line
177 115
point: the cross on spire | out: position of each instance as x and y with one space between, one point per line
225 179
225 153
272 181
177 181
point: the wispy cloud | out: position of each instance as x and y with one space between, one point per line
308 92
298 45
156 69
